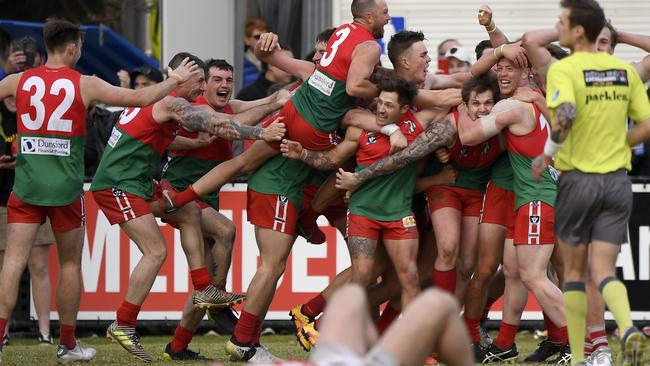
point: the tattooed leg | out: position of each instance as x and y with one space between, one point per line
362 253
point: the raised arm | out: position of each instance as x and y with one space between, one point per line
446 98
95 89
243 105
186 143
437 135
535 43
267 50
497 37
364 59
324 160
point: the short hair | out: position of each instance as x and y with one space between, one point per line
406 91
556 51
253 23
57 33
443 42
400 42
179 57
482 46
479 85
218 64
325 35
360 7
612 30
586 13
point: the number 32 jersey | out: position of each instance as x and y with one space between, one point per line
51 118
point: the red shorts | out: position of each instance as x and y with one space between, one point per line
534 224
120 206
335 211
271 211
373 229
467 201
499 208
62 218
299 130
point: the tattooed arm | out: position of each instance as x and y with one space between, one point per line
324 160
437 135
565 114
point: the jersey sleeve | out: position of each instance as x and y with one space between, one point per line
639 107
559 86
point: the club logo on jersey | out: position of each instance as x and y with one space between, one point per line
372 138
485 148
117 192
45 146
605 77
410 126
464 151
408 221
115 137
334 138
283 200
322 82
534 219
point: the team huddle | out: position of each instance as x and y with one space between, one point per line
451 190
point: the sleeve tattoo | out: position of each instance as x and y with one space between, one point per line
319 159
565 114
437 135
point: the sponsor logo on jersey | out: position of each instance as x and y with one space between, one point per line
408 221
45 146
606 96
115 137
605 77
322 82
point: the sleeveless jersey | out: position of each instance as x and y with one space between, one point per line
135 147
522 150
389 197
473 162
51 118
185 167
322 100
502 175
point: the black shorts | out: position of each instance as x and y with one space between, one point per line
593 207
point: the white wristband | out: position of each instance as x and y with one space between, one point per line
551 147
389 129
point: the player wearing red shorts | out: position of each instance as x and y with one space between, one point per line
51 103
124 190
185 164
525 130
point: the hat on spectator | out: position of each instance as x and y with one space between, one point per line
460 54
149 72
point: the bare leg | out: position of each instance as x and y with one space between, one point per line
222 231
413 337
20 237
68 294
362 253
515 294
467 254
447 225
403 254
247 161
145 234
188 219
41 288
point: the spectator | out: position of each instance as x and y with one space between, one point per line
252 66
443 66
271 75
140 77
23 53
459 59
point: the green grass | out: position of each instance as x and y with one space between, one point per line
28 352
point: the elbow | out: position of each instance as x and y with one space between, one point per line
526 40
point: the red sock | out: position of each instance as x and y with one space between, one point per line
3 325
473 327
563 335
200 278
551 329
222 287
127 314
588 346
506 337
258 332
386 319
315 306
185 197
445 280
67 336
182 338
246 328
488 305
598 336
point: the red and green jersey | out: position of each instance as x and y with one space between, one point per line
322 100
522 150
389 197
51 118
136 145
281 176
473 163
502 175
185 167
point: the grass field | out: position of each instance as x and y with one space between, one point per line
27 352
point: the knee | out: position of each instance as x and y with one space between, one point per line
448 253
484 273
362 274
440 300
465 270
229 235
38 270
530 279
157 253
190 213
274 268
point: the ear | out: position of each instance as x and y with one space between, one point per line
404 62
404 108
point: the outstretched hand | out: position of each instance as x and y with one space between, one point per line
185 70
291 149
275 131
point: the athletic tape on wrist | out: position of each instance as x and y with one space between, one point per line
551 147
389 129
